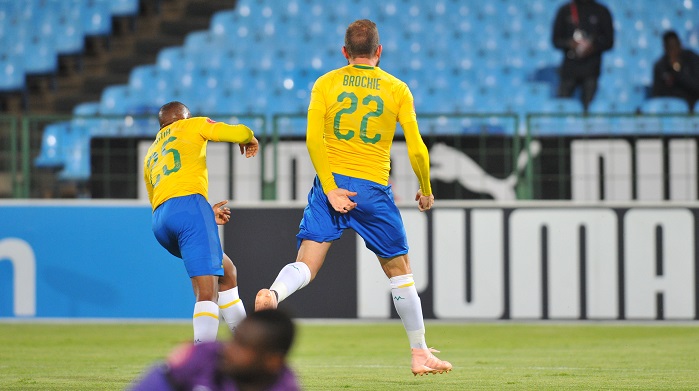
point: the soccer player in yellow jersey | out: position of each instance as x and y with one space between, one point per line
351 123
183 221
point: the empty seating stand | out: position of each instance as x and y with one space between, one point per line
457 56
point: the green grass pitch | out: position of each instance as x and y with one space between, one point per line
374 356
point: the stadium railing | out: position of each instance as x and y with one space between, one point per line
614 156
642 157
9 156
69 156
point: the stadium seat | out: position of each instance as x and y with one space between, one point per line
86 109
171 59
96 18
562 105
53 141
40 56
86 118
223 25
665 105
149 83
77 156
11 73
116 100
223 69
123 7
69 35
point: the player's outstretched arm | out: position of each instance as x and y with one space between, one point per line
250 149
424 202
222 213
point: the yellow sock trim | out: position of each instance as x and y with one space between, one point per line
407 285
231 304
206 314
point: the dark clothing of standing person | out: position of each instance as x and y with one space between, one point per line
582 30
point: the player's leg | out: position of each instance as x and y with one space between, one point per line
409 308
202 255
294 276
232 308
205 316
377 220
319 226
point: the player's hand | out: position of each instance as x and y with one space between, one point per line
222 213
249 149
339 199
424 202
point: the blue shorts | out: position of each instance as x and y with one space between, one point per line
186 227
376 218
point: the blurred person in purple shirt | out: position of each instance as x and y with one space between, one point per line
253 360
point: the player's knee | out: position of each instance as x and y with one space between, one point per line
207 295
396 266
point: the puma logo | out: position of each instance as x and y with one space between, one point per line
449 165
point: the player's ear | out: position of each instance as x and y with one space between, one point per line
379 50
344 53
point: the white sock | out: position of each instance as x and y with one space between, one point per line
205 321
232 308
291 278
409 308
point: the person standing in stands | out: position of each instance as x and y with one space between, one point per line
582 30
676 73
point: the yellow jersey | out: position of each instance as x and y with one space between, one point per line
351 123
175 164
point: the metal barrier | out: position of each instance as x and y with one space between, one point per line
617 157
53 156
9 139
484 156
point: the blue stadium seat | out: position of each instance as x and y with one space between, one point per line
69 36
116 100
86 117
52 154
149 83
222 69
123 7
223 25
77 156
665 105
562 105
40 56
87 109
96 17
11 73
171 59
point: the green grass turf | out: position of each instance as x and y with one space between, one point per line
497 356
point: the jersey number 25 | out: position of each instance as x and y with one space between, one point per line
153 160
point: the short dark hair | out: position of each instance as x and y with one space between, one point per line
670 34
362 39
171 112
277 327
